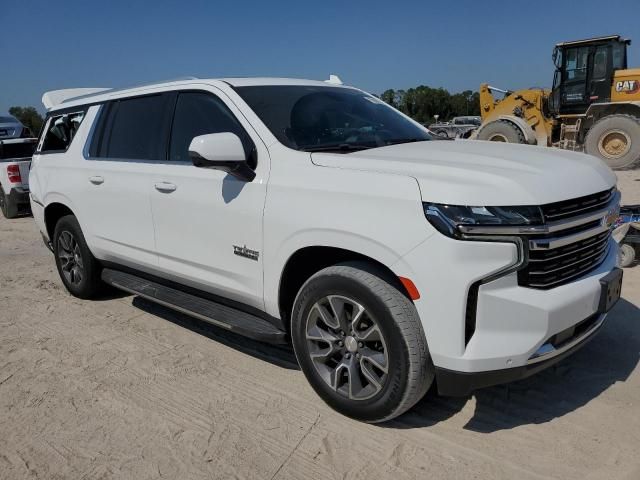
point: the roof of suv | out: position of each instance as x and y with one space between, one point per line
57 99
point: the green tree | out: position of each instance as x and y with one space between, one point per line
29 117
389 96
422 103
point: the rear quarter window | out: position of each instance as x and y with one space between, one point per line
60 131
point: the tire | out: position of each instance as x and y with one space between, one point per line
77 267
8 208
616 140
626 255
442 133
391 336
501 131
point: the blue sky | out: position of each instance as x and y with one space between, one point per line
374 45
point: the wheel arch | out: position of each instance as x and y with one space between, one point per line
598 111
53 212
308 260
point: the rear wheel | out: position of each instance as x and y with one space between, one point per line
360 343
78 268
616 140
501 131
8 208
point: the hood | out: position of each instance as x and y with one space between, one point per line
470 172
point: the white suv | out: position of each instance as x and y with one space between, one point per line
292 209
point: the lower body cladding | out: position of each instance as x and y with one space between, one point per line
482 333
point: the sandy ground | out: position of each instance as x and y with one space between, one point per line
120 388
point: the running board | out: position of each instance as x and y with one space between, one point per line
215 313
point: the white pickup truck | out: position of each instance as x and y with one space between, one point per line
15 160
299 211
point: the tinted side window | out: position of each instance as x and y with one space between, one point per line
60 131
133 128
199 113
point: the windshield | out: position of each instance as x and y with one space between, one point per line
317 118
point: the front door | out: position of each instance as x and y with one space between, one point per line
208 224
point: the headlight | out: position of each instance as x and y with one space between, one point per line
455 220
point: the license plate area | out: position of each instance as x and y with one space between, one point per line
611 286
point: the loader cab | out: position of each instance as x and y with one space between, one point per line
584 72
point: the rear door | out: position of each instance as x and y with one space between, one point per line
128 142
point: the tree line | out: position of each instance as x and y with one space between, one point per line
29 117
422 103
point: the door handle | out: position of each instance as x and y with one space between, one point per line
165 187
97 180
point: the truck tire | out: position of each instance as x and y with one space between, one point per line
9 209
626 255
501 131
616 140
78 268
360 343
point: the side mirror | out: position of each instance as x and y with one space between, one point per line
221 151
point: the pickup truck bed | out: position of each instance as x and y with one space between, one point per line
15 160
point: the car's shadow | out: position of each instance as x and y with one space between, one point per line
609 358
279 355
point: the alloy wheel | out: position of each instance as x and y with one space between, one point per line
70 257
347 347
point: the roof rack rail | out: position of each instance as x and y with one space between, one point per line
55 98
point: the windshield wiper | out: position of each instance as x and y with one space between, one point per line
341 147
405 140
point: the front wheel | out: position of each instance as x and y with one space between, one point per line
501 131
360 343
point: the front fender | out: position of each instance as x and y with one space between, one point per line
345 240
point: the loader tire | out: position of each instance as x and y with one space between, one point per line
616 140
501 131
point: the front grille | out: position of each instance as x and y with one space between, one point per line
564 254
577 206
553 267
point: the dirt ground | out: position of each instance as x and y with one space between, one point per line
121 388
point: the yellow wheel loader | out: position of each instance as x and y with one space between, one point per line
594 105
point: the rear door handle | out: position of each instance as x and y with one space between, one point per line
97 180
165 187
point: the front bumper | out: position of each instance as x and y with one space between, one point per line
459 384
513 324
